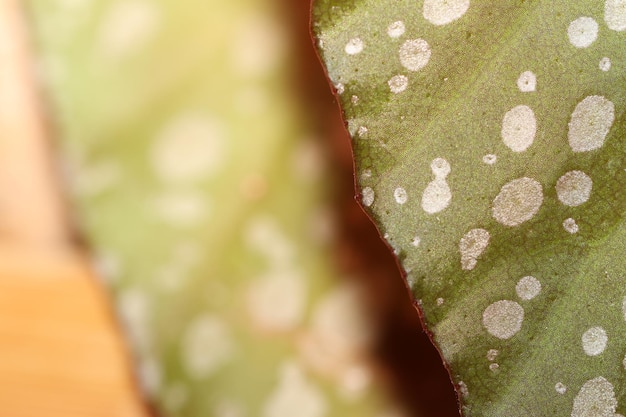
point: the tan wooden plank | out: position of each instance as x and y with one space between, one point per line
60 352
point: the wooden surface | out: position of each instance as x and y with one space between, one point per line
60 352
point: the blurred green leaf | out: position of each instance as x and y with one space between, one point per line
204 195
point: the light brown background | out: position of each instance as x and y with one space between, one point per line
60 352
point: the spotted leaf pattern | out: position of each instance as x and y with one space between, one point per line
489 139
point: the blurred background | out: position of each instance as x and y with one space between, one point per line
181 236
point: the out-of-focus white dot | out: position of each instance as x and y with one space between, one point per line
127 26
189 148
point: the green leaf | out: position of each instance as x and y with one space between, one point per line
489 140
203 192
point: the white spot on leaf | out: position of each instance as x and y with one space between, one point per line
180 209
518 201
264 235
570 225
396 29
260 44
339 332
400 195
605 64
582 32
527 82
615 14
490 159
367 196
519 127
308 160
107 266
251 100
440 168
206 346
463 389
471 246
149 374
339 323
594 341
96 178
135 311
528 288
323 225
73 5
596 398
276 302
437 195
229 408
189 148
414 54
128 25
354 46
295 395
574 188
355 381
503 319
590 123
442 12
398 83
175 395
